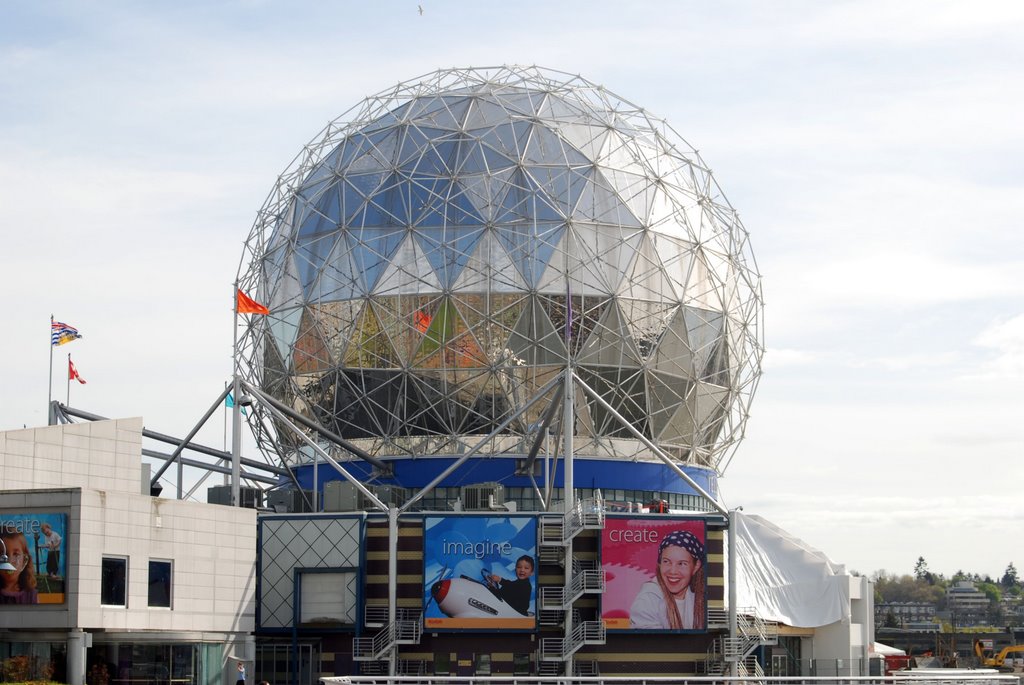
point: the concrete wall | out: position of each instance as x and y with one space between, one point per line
104 455
93 472
848 640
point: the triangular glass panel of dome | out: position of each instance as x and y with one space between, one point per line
493 325
704 329
439 325
437 158
413 141
561 186
646 278
601 255
707 404
586 138
369 346
623 389
407 272
389 119
676 256
310 352
448 249
399 317
599 203
702 287
388 206
356 191
646 322
336 320
313 185
530 246
634 189
555 107
310 255
545 147
666 394
339 277
484 114
288 290
438 202
373 250
483 191
480 399
508 138
423 107
673 355
610 342
523 102
378 155
489 269
323 217
535 340
524 201
429 412
284 329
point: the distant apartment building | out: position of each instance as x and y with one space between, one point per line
905 612
964 599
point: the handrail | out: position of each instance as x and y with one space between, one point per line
583 633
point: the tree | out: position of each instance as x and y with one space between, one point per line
921 569
1010 576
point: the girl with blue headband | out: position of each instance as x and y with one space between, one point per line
675 599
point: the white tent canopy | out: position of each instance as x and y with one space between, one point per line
885 650
786 579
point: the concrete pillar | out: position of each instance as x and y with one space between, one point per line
77 640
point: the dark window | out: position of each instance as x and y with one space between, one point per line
159 583
114 581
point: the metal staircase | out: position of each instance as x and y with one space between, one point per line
405 631
557 534
581 582
586 514
752 632
561 648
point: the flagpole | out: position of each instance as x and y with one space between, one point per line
236 410
69 379
50 418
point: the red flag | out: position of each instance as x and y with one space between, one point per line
73 372
247 305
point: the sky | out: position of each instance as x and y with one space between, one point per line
873 150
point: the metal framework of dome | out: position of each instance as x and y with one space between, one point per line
443 251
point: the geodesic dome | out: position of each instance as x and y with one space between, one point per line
442 252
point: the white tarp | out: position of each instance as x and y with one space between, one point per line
886 650
786 579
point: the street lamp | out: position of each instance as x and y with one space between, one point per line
5 565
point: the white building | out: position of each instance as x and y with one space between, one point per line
141 588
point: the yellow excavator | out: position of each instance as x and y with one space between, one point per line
1007 659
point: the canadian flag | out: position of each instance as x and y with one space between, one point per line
73 372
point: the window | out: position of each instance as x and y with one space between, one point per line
114 581
160 583
521 664
483 664
327 598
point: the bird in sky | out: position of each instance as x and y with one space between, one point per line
420 8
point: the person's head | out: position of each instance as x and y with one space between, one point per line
681 559
524 567
241 666
46 529
18 555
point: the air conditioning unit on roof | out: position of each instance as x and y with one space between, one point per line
483 496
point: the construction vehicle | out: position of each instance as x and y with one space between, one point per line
1008 659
